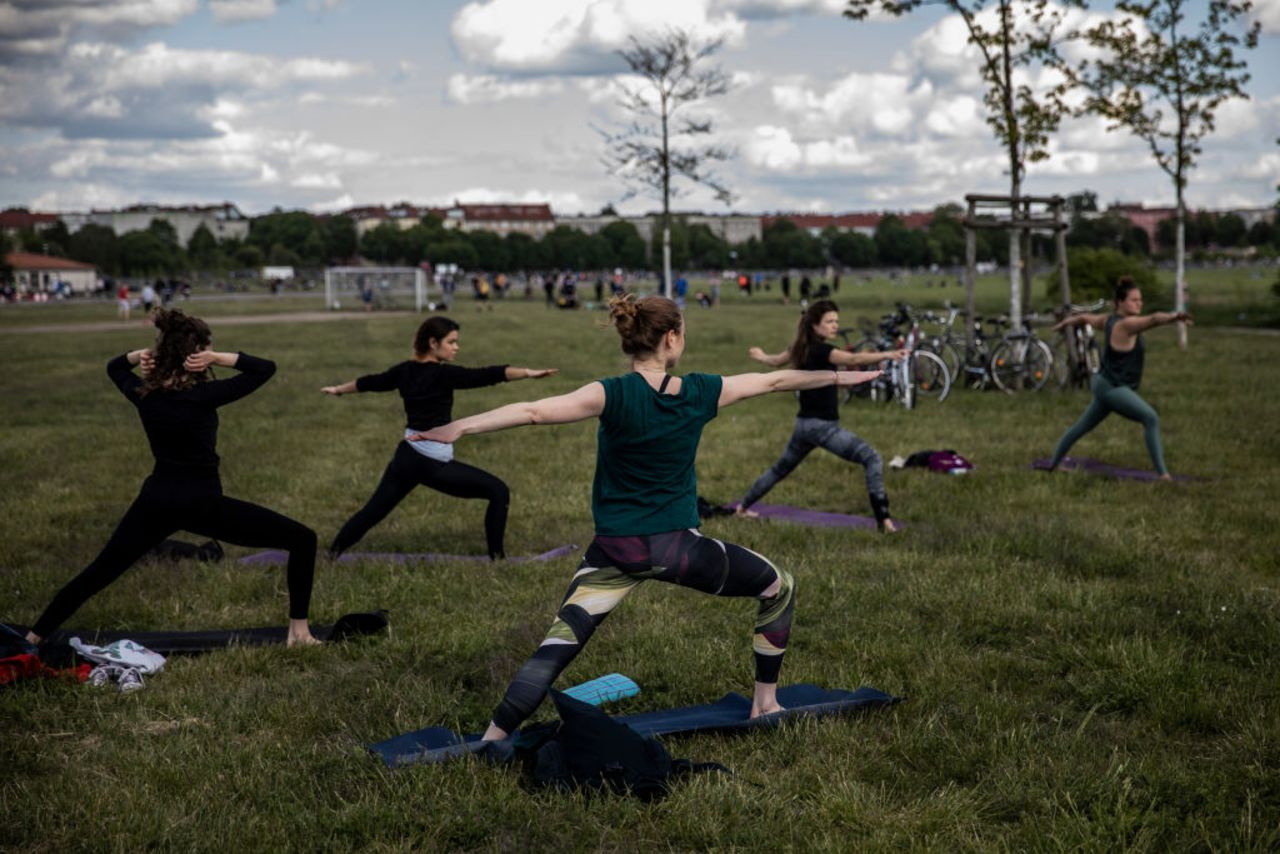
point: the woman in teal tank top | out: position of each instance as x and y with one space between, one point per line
1115 386
644 498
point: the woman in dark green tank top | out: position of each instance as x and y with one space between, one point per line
644 499
1115 386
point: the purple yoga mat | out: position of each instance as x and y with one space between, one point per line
1085 464
817 518
279 557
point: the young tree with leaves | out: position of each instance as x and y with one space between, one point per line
1162 78
675 72
1012 37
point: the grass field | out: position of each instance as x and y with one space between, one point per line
1086 663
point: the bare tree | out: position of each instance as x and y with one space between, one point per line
1162 79
1012 36
656 146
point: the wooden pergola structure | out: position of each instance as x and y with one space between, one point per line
1025 215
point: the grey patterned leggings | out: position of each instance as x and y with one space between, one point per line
813 433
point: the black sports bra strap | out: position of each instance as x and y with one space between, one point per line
662 389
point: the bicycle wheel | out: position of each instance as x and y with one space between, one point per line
1062 367
904 385
864 345
1005 372
1038 365
1021 365
975 373
1092 358
930 375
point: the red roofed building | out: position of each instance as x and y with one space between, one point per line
34 273
503 219
1144 218
15 220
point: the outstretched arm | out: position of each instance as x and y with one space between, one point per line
1137 325
743 386
529 373
339 390
857 360
586 402
773 360
1097 321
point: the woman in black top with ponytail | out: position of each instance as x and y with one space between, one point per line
426 383
818 421
177 399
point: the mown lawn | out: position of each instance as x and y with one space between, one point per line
1086 663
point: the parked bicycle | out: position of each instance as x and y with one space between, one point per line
1020 361
921 374
1077 356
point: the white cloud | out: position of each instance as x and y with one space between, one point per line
578 35
1268 13
35 28
1266 167
489 89
341 203
878 103
104 90
235 11
316 181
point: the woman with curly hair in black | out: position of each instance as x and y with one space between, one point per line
177 399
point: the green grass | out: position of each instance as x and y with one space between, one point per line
1086 663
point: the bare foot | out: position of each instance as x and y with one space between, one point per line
745 513
888 526
494 733
300 634
1166 477
757 711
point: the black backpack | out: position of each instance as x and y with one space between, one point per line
587 749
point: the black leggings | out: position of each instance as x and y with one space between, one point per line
408 469
165 506
614 566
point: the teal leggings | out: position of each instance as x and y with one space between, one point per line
1121 399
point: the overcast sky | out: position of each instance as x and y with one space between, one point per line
325 104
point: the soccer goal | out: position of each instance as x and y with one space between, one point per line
376 287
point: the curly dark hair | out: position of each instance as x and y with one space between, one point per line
178 335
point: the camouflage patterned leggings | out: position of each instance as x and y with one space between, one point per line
614 566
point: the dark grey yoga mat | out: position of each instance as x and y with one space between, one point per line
279 558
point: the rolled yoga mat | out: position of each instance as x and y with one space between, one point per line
817 518
279 558
730 713
1089 466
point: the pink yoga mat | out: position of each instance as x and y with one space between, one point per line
1085 464
817 518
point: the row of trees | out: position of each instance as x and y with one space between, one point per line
300 239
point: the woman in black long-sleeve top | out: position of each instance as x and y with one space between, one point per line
177 400
426 383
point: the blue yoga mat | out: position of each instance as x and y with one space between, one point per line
439 744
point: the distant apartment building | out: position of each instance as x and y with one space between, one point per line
16 220
223 220
731 228
35 273
1145 218
862 223
403 215
503 219
533 220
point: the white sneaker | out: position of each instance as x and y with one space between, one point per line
130 680
102 675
